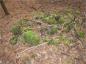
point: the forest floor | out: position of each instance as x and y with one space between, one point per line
42 54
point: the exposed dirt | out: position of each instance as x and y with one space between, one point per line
42 55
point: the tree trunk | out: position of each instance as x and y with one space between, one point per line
4 7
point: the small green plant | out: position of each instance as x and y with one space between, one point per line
31 37
81 34
64 18
14 40
23 23
53 42
65 40
57 17
52 30
50 20
16 30
69 26
46 39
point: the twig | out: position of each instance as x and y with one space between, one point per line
30 49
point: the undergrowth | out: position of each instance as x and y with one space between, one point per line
58 24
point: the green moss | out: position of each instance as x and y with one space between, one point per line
31 37
81 34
